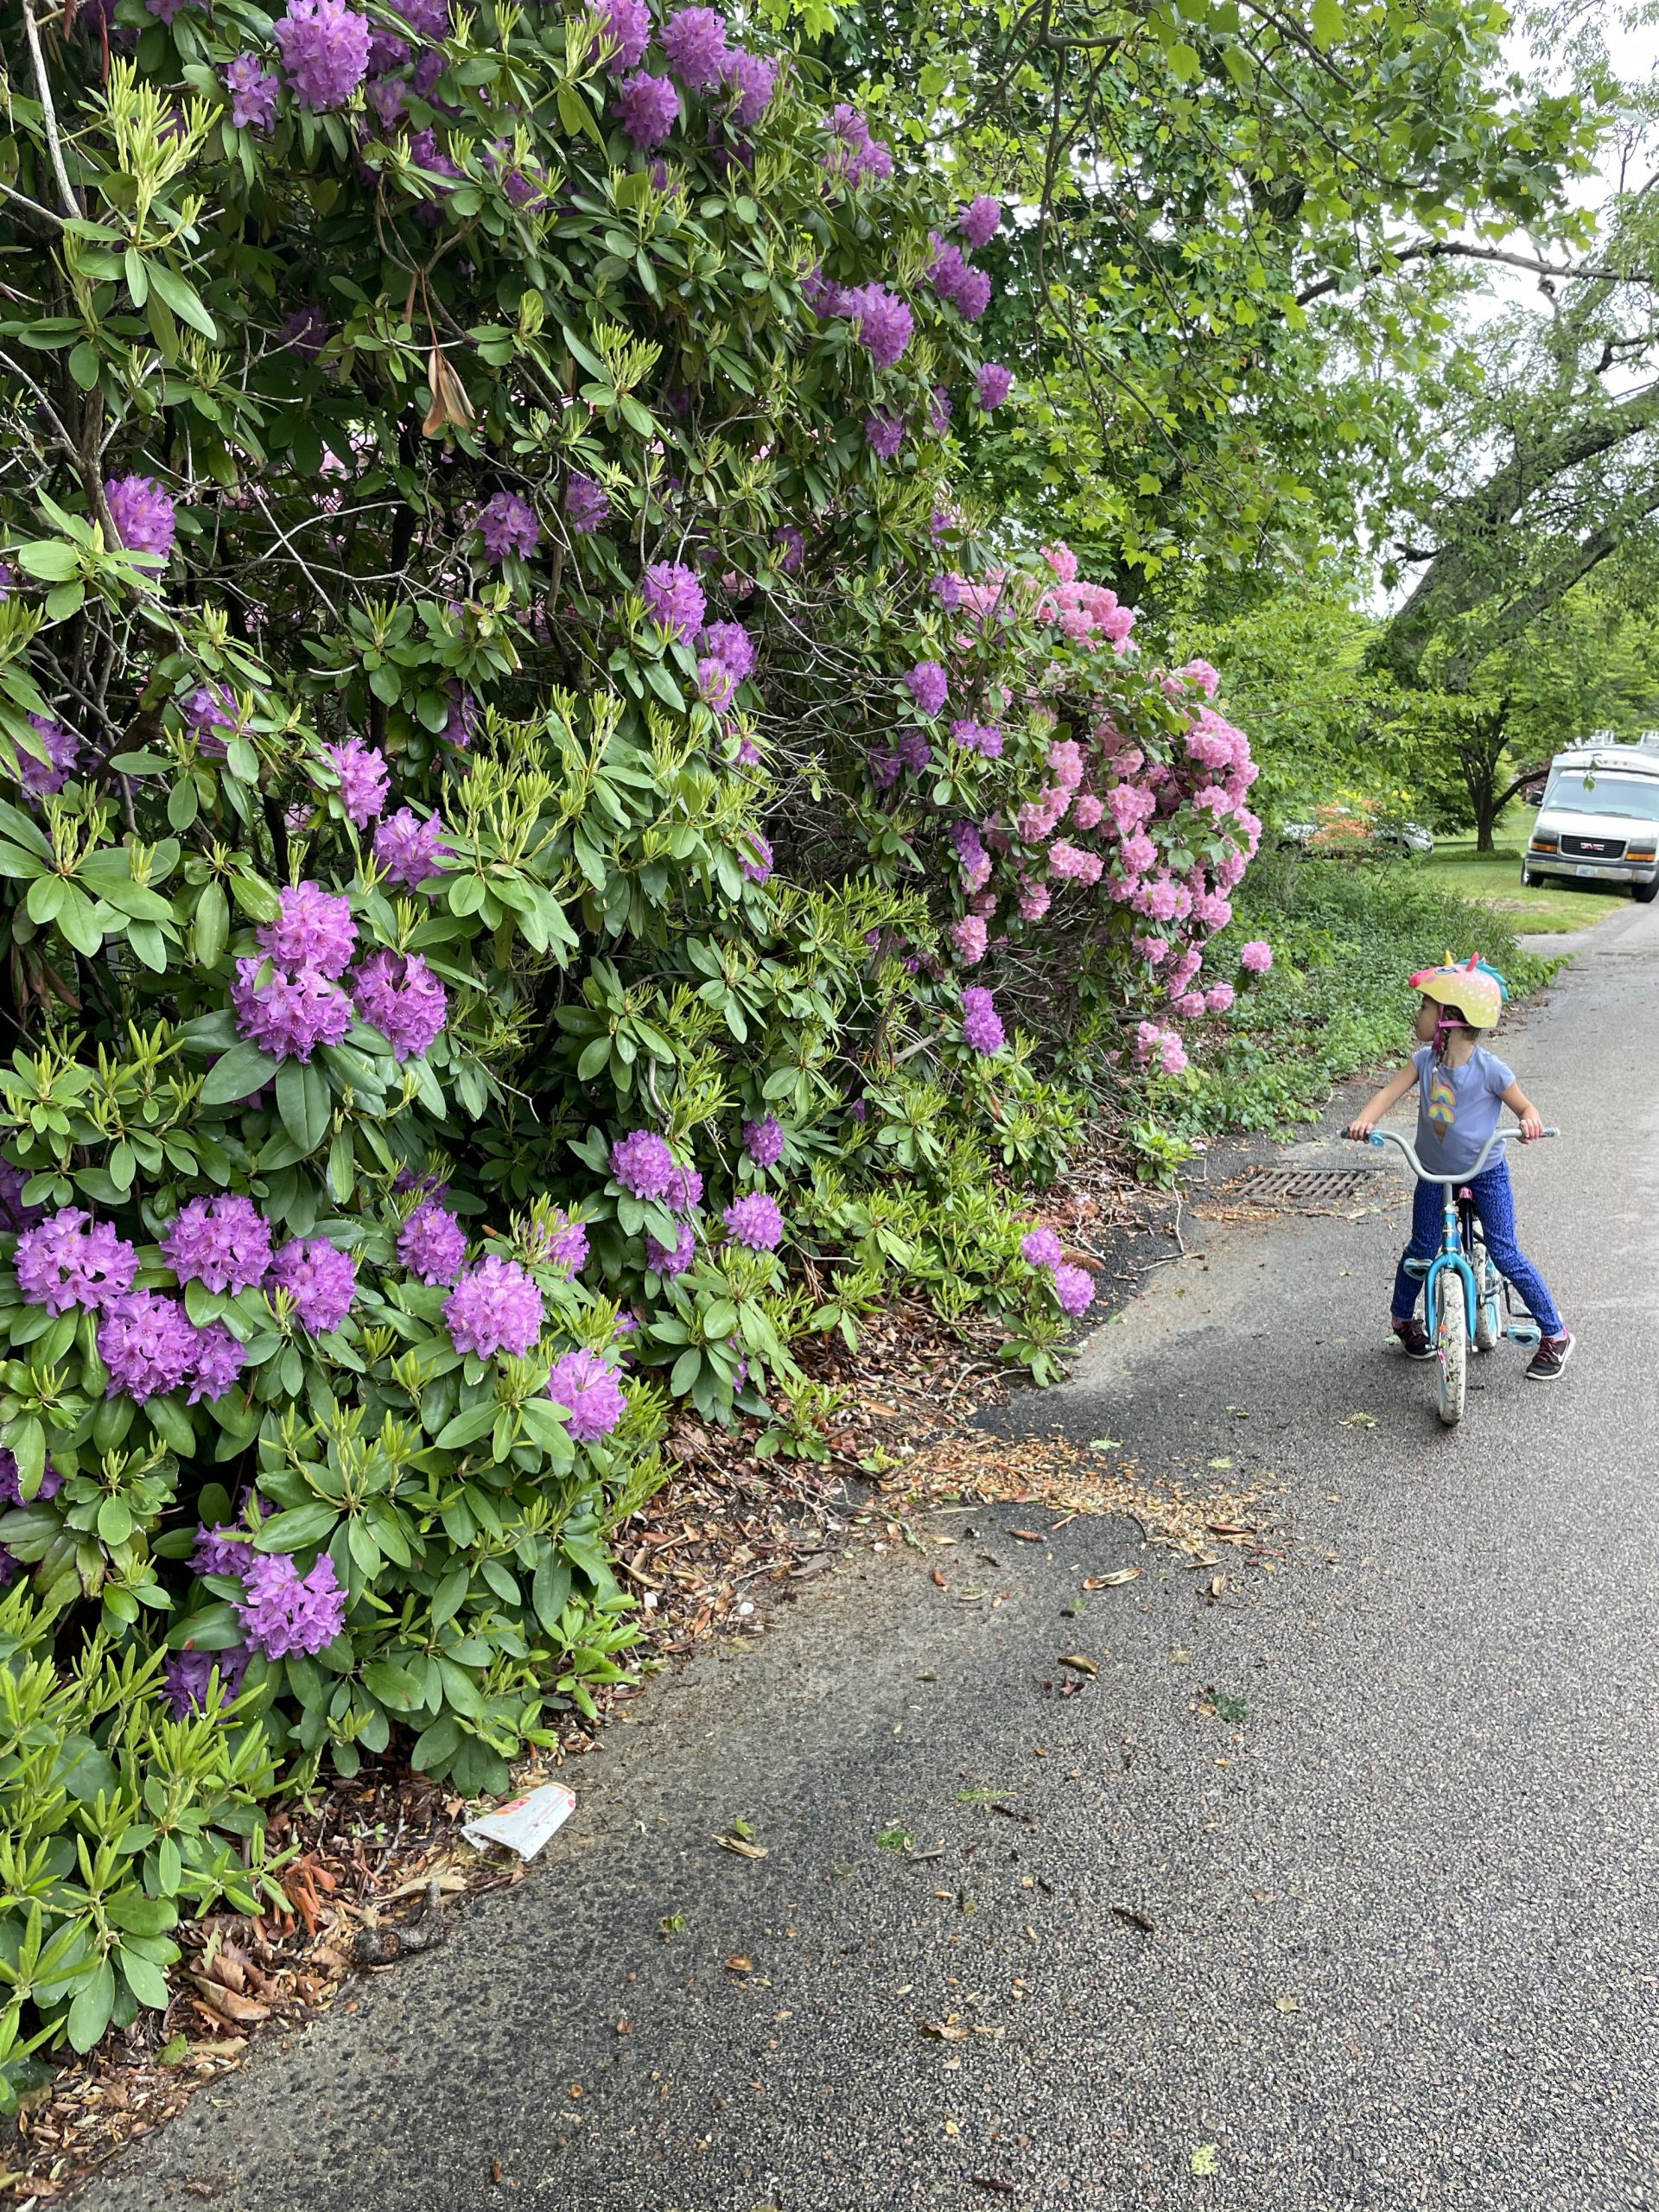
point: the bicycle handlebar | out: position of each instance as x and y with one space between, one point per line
1379 1138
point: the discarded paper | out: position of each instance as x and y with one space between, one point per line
524 1824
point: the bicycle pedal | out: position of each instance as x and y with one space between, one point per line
1521 1333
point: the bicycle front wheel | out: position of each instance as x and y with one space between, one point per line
1452 1346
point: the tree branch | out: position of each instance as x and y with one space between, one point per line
48 113
1455 250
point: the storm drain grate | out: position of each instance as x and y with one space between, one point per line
1303 1187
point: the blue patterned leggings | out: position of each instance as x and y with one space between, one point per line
1495 1203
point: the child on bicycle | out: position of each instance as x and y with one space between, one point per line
1461 1087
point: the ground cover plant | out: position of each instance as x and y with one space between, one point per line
529 810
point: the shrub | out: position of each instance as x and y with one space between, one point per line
490 724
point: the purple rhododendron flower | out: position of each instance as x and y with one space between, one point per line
314 931
731 642
587 504
717 685
764 1141
365 779
694 40
324 48
216 1360
289 1016
507 525
753 79
755 1221
648 108
320 1278
71 1260
684 1189
186 1677
410 850
287 1611
981 1026
1074 1288
398 994
973 294
642 1163
881 322
253 93
928 686
1041 1247
590 1394
1256 957
627 24
856 155
674 597
666 1260
557 1242
755 857
432 1244
992 383
142 514
884 434
793 548
223 1243
495 1308
462 725
226 1549
980 220
148 1344
41 778
14 1214
305 331
11 1482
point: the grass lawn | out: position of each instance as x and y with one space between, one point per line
1494 880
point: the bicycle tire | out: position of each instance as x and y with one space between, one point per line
1452 1344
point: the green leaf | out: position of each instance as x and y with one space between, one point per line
241 1071
90 2013
50 559
1328 21
212 924
172 1425
182 298
298 1529
305 1103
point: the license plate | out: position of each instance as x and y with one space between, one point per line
1587 871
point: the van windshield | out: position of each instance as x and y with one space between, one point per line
1586 791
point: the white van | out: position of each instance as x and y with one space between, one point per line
1599 819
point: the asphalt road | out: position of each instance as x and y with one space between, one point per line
1401 1947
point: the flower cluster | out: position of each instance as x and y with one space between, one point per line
928 686
755 1221
755 856
1256 957
992 384
286 1611
41 778
410 850
673 598
11 1482
590 1393
325 49
764 1141
982 1024
142 514
313 933
587 504
365 779
289 1016
881 322
507 525
626 25
71 1260
253 93
432 1244
643 1165
150 1347
978 737
495 1308
648 108
854 156
223 1243
398 994
319 1278
188 1676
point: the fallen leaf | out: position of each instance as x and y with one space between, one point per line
1221 1463
1025 1535
740 1963
1358 1421
1080 1663
1217 1586
989 2181
1206 2160
1110 1581
938 1577
1135 1917
242 2011
950 2030
1287 2005
1107 1444
741 1847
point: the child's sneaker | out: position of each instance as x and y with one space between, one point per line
1551 1356
1414 1338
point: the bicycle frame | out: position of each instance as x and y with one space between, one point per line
1451 1254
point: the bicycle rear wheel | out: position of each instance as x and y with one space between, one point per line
1452 1344
1489 1314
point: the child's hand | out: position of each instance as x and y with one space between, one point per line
1532 1126
1360 1128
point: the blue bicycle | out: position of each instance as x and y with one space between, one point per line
1467 1300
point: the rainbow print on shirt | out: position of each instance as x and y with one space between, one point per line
1442 1107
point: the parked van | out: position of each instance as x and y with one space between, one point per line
1599 819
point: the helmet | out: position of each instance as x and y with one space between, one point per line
1472 989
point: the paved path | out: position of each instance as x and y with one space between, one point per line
1403 1948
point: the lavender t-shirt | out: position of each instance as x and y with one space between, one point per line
1457 1109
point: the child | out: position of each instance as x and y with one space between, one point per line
1461 1086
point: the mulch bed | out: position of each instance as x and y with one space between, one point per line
377 1862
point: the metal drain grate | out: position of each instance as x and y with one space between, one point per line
1303 1187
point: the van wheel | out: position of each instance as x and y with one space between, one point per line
1528 877
1644 893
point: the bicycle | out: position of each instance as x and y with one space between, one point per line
1466 1299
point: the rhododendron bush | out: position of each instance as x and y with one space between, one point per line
527 808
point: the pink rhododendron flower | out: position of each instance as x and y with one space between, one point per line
1256 957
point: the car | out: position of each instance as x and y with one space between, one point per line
1599 819
1338 829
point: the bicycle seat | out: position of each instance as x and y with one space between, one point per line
1466 1197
